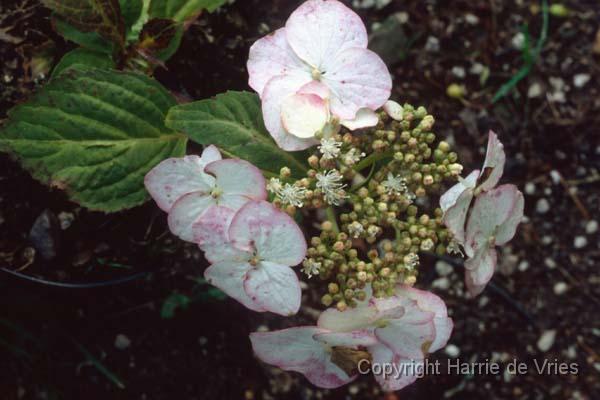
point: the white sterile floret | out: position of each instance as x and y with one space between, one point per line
330 148
411 261
330 183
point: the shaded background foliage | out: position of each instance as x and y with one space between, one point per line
140 341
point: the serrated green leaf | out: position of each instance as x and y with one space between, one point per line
83 57
100 16
89 40
94 133
233 122
181 10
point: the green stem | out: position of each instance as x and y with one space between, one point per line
371 159
331 217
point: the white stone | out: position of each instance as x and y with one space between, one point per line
555 176
560 288
458 72
530 188
471 19
477 68
542 206
535 90
546 340
442 283
591 227
122 342
580 242
432 45
452 351
443 268
580 80
518 41
523 266
550 263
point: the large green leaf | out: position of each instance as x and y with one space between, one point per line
89 40
233 122
84 57
180 10
101 16
94 133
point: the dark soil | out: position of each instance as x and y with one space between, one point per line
61 342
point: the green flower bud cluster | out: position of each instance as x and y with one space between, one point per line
374 180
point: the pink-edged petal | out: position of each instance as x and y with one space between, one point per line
233 201
320 29
175 177
455 217
394 110
294 349
411 335
274 234
450 197
357 79
317 88
210 233
229 276
389 307
186 211
349 320
430 302
362 337
238 177
303 115
276 91
365 118
274 288
493 166
271 56
409 369
497 211
507 230
211 153
479 270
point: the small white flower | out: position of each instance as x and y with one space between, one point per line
274 185
395 184
311 267
292 195
330 148
372 230
329 183
411 260
356 229
427 244
352 156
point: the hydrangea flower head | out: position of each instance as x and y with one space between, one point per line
399 329
251 252
316 68
186 187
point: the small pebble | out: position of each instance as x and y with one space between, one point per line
560 288
555 176
542 206
530 188
443 268
518 41
535 90
550 263
580 242
122 342
523 266
471 19
580 80
458 72
432 45
65 219
546 341
546 240
442 283
591 227
452 351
